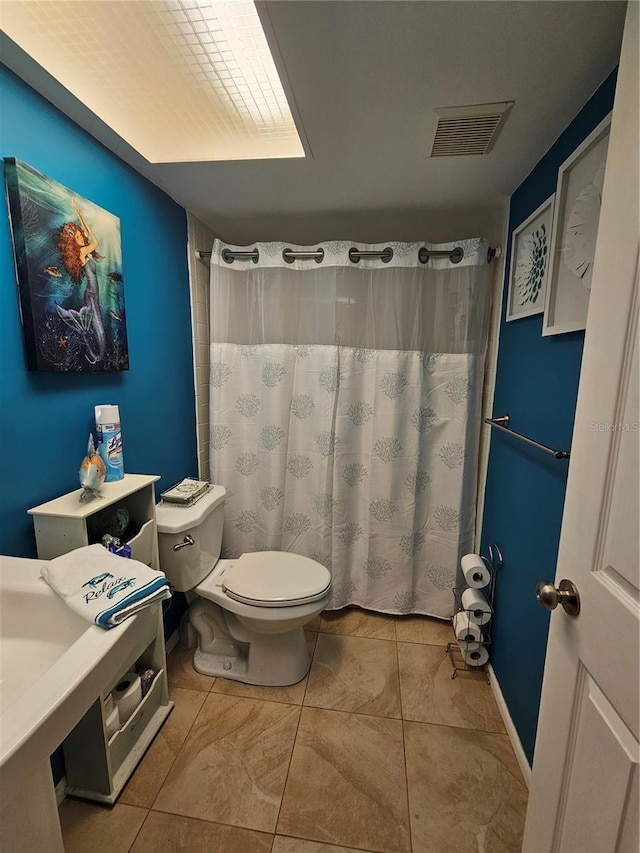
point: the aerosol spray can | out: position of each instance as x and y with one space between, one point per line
110 441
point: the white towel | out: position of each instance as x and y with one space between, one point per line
102 587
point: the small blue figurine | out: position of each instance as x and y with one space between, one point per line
92 473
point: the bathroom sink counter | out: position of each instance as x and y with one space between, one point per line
54 665
34 639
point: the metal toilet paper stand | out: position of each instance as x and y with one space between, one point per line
494 562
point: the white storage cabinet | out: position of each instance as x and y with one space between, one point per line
98 766
63 524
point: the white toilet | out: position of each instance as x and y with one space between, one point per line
248 613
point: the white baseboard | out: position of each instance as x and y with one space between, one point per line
172 641
60 789
516 743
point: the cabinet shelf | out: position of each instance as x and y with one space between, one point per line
139 715
64 524
98 766
102 778
69 506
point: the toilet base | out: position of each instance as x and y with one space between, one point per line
228 648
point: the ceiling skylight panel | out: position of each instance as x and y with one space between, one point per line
179 80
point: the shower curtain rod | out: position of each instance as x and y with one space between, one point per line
455 255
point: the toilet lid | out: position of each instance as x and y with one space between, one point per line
276 579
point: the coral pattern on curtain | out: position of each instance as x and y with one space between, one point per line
337 427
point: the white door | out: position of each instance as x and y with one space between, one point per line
585 786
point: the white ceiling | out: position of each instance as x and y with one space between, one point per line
363 79
180 80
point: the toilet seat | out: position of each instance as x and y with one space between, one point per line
275 579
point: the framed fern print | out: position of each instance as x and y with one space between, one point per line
575 229
529 263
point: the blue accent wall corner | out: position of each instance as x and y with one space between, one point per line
537 385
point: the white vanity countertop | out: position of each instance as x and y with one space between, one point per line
53 666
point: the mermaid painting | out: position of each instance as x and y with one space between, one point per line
78 247
69 268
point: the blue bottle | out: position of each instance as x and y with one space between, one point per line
110 441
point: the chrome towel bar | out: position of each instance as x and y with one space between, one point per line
502 423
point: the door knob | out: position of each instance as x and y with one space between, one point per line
566 594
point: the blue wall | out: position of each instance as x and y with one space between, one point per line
45 418
537 384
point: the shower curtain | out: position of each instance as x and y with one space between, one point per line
345 412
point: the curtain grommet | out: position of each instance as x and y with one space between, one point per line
455 256
355 255
290 255
229 257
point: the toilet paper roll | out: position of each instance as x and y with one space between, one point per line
112 722
127 695
475 657
477 607
476 574
465 630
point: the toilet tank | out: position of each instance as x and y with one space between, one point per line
201 522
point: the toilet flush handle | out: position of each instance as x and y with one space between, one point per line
188 540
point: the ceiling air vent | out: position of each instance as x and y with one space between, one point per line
462 131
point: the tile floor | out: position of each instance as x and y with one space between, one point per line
378 749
